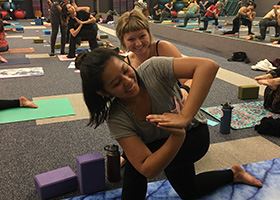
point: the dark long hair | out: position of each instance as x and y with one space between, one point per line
1 26
92 66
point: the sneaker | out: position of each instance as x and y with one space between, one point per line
263 65
70 56
51 54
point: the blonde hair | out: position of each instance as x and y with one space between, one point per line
130 22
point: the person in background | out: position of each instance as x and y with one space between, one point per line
212 13
192 11
81 24
245 16
20 102
272 18
4 46
157 129
57 23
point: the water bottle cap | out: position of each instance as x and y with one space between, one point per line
227 106
111 148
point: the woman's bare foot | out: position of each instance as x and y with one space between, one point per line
122 161
241 176
24 102
3 60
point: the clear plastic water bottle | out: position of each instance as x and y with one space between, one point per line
226 118
113 163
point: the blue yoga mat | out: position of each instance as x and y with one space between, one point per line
266 171
16 61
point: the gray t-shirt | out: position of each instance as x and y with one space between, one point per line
158 78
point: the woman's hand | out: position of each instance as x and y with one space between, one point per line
265 76
169 120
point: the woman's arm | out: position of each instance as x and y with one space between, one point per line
75 32
168 49
203 72
91 20
151 164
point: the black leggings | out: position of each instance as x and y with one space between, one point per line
237 21
56 23
181 171
4 104
84 34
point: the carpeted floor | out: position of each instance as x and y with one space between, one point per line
27 149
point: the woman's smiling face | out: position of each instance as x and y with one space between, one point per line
119 79
137 41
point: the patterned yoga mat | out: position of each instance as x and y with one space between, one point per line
244 115
266 171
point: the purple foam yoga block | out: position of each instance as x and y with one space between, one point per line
56 182
91 172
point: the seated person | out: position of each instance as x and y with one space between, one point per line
272 18
81 24
4 46
192 11
21 102
271 79
245 16
212 13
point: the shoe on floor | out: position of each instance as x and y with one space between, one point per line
51 54
70 56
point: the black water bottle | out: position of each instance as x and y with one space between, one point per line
226 118
113 163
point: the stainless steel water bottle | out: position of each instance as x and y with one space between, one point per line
226 118
113 163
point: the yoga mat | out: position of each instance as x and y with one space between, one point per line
64 58
21 50
38 55
31 37
14 36
21 72
244 115
189 27
267 171
46 109
34 27
16 61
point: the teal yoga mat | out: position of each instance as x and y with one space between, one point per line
244 115
47 108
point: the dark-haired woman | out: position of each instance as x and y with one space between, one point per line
157 130
81 24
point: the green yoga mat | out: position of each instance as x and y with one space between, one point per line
47 108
